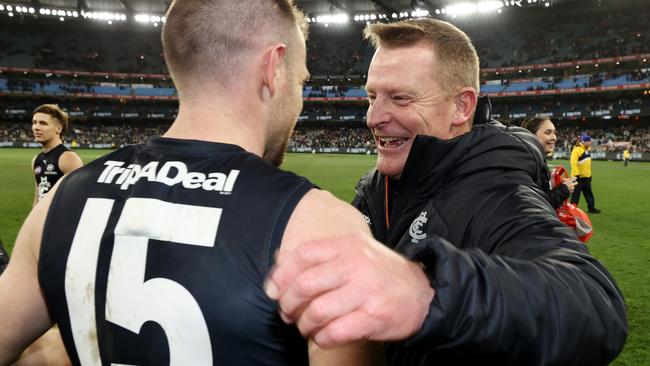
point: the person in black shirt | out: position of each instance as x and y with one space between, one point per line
506 282
49 123
157 253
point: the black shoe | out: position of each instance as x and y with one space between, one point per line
594 210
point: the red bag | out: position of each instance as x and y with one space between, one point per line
569 213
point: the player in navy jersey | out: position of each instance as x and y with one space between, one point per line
157 253
49 123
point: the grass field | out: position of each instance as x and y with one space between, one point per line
621 240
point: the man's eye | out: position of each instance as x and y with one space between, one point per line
400 99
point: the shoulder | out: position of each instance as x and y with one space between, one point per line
69 161
497 145
319 215
369 180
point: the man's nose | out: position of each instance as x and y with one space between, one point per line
378 113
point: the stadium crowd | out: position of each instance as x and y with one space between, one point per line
332 51
605 139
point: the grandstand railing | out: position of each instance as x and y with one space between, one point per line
613 156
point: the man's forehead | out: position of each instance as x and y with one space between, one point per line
40 116
404 55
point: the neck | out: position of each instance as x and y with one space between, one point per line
232 123
456 131
51 144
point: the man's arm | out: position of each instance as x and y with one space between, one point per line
518 299
357 353
575 154
530 295
313 218
69 161
558 195
24 316
47 350
334 289
35 185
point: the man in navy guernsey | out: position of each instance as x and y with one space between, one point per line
157 253
49 123
507 282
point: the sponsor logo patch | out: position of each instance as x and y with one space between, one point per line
169 173
415 230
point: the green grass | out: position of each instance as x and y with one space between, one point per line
620 241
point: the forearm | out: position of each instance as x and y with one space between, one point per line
558 195
359 353
548 307
47 350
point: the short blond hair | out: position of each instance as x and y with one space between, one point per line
54 111
211 39
459 63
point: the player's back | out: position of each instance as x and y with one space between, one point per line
157 253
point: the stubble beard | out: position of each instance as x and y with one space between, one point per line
278 137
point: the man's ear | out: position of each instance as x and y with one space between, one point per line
274 68
465 103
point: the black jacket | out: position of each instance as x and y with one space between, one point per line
513 285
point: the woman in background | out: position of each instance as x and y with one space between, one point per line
544 129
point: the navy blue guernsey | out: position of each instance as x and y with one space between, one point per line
46 169
156 254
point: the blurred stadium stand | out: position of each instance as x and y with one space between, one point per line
582 63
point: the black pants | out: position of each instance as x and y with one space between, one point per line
584 186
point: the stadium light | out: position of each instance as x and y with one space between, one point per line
463 9
103 16
2 7
142 18
327 19
489 6
419 13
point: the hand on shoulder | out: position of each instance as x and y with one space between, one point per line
341 285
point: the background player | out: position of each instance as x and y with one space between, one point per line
49 123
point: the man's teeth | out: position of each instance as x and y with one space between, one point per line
389 139
392 141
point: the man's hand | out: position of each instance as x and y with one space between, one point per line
349 288
570 183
